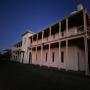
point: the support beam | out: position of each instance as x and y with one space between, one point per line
42 35
49 60
66 62
36 56
86 56
31 56
66 26
50 31
37 38
59 55
59 29
41 55
84 21
85 43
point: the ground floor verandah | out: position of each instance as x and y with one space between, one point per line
68 55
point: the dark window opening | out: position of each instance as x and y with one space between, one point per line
62 56
45 47
30 58
55 45
35 37
88 20
46 32
63 44
34 49
39 48
75 20
53 56
63 25
55 29
40 35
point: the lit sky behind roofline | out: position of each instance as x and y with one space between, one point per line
17 16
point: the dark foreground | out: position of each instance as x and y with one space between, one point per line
15 76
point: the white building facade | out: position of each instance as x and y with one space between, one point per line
64 45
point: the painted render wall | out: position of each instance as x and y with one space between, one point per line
25 45
72 63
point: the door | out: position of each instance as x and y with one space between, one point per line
30 58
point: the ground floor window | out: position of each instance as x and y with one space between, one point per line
46 57
30 57
53 56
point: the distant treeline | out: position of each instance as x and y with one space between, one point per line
5 55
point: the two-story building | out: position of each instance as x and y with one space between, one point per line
64 45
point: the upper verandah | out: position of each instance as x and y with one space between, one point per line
74 20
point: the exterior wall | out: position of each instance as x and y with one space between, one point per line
44 62
74 62
25 44
81 61
34 61
16 57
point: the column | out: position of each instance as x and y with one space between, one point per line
86 56
41 55
66 26
85 43
66 61
59 29
42 35
36 56
59 55
84 21
32 40
50 33
66 44
31 57
49 56
37 38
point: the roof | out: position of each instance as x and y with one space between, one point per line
26 32
17 43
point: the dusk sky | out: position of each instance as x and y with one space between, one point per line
17 16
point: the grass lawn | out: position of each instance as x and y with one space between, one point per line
15 76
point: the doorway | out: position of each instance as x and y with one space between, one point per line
30 58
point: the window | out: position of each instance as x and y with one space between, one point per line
53 56
46 57
62 56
